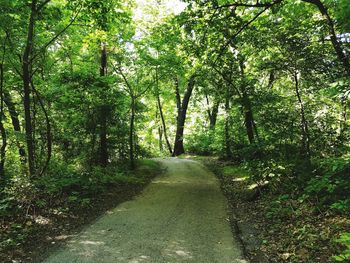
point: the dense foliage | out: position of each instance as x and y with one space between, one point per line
87 87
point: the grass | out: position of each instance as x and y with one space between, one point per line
235 171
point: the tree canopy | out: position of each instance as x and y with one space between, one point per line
94 84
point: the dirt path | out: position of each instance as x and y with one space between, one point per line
180 217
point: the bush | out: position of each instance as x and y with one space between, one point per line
331 186
203 143
345 241
67 179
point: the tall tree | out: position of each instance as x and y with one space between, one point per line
182 106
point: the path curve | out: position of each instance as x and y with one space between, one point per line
180 217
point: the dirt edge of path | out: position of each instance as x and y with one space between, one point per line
61 228
271 233
243 227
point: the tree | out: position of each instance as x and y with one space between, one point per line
182 106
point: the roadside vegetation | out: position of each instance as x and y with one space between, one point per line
277 224
88 88
59 206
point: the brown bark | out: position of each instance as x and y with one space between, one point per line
2 129
164 125
212 113
160 131
248 111
305 140
162 117
133 98
2 150
104 111
131 133
228 150
268 4
181 116
26 77
48 129
248 117
271 79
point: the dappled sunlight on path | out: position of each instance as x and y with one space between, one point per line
180 217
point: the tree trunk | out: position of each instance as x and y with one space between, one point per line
305 140
343 121
271 79
131 133
164 124
2 150
26 77
228 151
181 116
104 111
160 133
212 113
247 108
2 129
336 44
15 123
160 108
214 116
248 118
48 129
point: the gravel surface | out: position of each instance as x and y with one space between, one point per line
180 217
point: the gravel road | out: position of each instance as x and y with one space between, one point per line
180 217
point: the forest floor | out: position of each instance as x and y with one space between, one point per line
51 227
181 216
275 228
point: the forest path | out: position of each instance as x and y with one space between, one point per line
179 217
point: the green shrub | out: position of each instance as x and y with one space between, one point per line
204 143
7 205
331 186
281 207
345 241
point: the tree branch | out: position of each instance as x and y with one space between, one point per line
119 70
48 128
228 81
336 44
42 5
232 38
177 94
58 34
246 5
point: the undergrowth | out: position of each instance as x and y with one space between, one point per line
301 218
65 191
